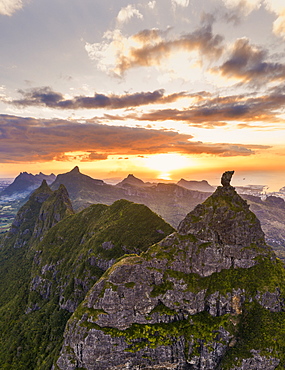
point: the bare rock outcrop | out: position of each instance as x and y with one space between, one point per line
188 301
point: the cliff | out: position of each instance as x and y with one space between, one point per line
49 262
209 296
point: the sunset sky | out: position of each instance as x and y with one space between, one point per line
162 89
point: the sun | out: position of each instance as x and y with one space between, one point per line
166 163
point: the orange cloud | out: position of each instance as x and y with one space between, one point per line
118 54
35 140
155 49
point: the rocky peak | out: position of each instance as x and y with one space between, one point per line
75 170
226 178
23 225
25 183
42 211
224 218
131 180
53 210
76 183
42 193
186 301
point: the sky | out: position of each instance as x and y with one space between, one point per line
162 89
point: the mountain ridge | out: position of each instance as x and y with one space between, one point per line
59 257
188 301
171 201
25 183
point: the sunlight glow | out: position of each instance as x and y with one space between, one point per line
165 163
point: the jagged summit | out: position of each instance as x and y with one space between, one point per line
43 186
226 178
76 182
192 301
54 209
75 170
131 180
25 183
224 218
42 211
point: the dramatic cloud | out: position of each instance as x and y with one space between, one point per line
33 140
149 48
248 63
125 14
204 109
45 96
8 7
211 112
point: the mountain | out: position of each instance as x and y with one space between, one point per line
54 209
24 184
49 261
196 185
23 225
75 181
209 296
271 213
16 263
171 201
131 180
84 190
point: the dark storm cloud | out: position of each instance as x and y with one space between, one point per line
45 96
28 139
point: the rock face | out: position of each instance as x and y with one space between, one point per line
49 262
23 225
226 178
209 296
54 209
75 253
42 211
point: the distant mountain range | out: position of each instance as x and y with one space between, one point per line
170 201
24 184
49 260
196 185
116 287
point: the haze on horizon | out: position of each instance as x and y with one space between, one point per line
162 89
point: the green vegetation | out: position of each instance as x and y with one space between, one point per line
253 326
48 276
64 264
261 330
200 328
161 288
